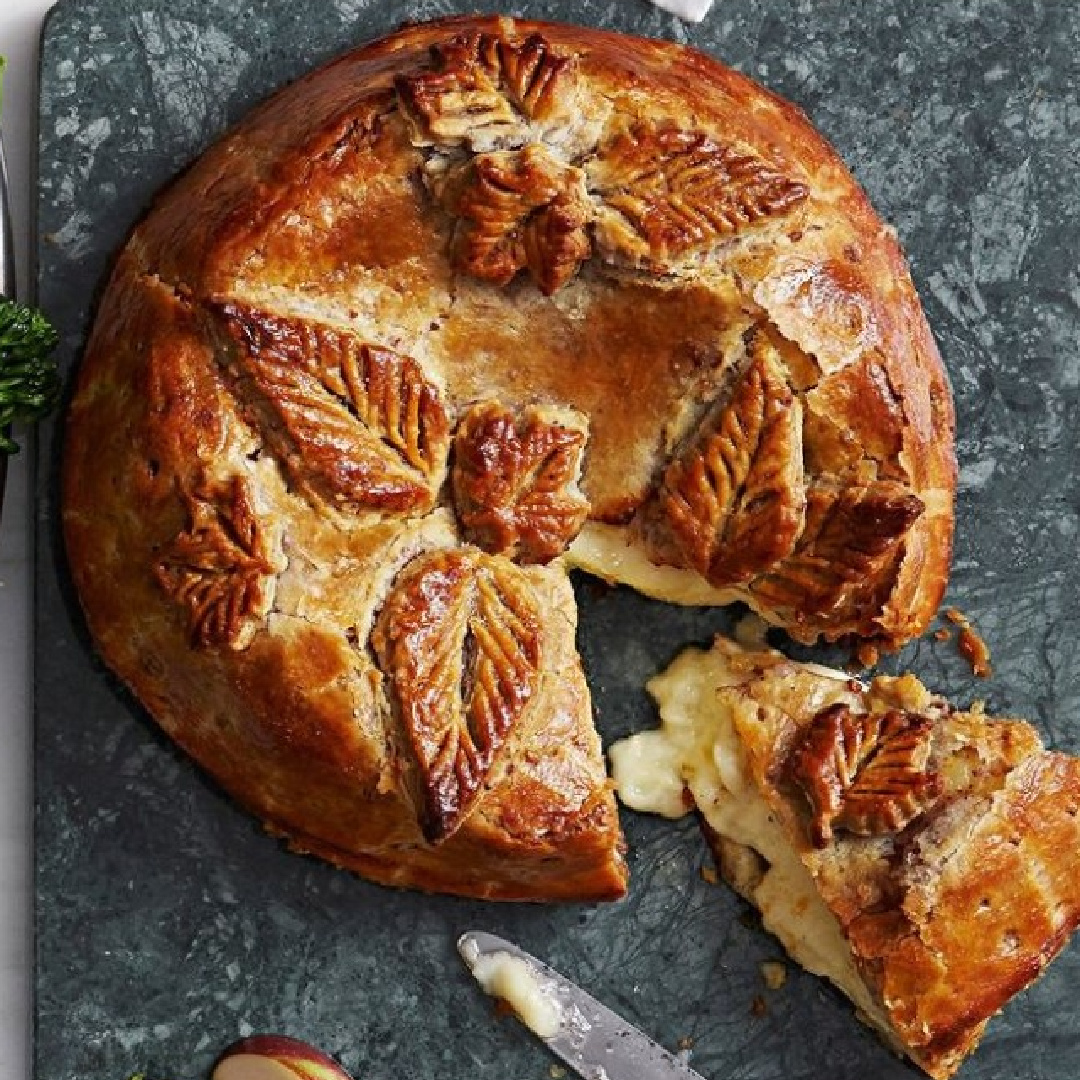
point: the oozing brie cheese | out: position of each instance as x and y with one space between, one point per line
696 752
605 551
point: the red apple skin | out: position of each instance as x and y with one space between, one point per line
301 1058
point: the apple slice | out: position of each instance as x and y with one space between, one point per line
276 1057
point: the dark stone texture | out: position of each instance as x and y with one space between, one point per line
168 924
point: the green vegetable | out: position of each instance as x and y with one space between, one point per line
29 381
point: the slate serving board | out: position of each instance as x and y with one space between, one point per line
168 924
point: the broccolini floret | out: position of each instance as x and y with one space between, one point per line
29 381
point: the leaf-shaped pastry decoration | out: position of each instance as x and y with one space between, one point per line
733 500
515 480
848 547
669 194
867 773
459 639
483 91
355 424
519 209
220 567
535 77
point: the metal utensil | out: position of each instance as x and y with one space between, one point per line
596 1042
7 235
7 269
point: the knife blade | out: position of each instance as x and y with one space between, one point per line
7 234
7 275
594 1041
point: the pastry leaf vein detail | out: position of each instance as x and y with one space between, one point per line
459 640
219 567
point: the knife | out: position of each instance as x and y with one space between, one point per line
7 235
7 271
588 1036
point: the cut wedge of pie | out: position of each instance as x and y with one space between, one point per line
925 859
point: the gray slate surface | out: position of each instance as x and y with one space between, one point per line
168 924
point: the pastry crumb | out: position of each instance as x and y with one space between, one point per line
943 634
971 645
556 1072
867 654
758 1006
709 874
774 973
685 1043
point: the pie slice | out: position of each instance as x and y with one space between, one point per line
923 858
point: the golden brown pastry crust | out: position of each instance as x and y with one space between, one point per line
535 221
945 843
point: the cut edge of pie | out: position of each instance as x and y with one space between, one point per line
924 859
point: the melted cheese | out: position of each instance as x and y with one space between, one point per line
516 982
609 553
697 749
606 552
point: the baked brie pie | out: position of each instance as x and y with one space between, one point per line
470 306
925 859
